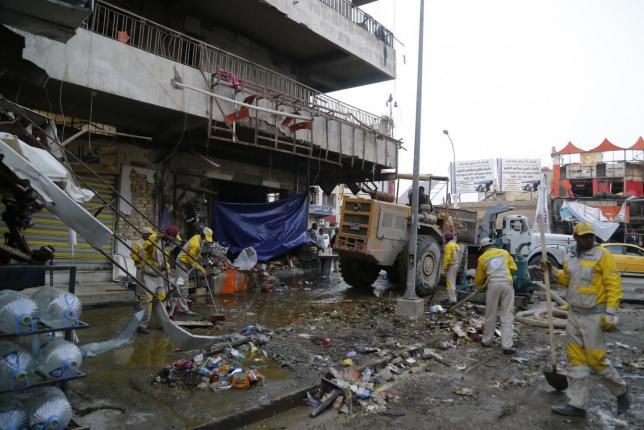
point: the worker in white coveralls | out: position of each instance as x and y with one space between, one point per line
494 273
154 264
594 294
451 262
189 258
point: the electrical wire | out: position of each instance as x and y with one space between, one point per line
174 150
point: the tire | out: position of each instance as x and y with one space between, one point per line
397 274
427 265
357 273
536 275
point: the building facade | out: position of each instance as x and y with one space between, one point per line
607 177
174 106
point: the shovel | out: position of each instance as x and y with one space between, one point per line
556 380
218 314
464 300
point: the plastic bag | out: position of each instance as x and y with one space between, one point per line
246 260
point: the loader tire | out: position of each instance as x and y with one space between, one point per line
427 265
358 274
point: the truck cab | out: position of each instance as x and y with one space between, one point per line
517 235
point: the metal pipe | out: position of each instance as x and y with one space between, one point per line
424 177
176 84
410 291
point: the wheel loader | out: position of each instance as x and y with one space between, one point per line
374 235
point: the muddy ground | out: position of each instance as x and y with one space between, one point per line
316 326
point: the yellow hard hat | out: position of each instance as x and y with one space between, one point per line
584 228
207 233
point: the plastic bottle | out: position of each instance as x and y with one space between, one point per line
60 359
18 313
16 366
57 308
49 409
12 414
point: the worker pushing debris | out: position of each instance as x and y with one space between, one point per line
494 274
188 259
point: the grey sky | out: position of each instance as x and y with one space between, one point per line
512 78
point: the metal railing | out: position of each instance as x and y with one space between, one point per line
119 24
362 19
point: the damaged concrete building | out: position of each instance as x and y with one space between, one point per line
179 105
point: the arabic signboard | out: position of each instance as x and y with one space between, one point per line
519 174
473 176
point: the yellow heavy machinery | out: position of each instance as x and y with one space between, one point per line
374 235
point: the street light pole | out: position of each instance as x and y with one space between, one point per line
446 133
410 305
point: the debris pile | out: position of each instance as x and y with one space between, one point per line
230 368
348 387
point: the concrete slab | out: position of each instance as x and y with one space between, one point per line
410 308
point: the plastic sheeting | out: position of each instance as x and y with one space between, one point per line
271 229
181 338
96 348
48 166
604 229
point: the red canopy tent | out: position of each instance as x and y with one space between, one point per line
606 146
638 146
569 149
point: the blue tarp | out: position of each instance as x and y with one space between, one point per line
271 228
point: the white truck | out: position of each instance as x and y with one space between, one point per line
518 237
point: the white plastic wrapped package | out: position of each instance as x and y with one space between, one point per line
18 313
48 409
16 366
12 414
246 260
57 308
59 359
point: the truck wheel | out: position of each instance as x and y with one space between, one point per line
537 275
397 273
428 265
357 273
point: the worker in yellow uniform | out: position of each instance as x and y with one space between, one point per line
137 254
594 295
494 272
189 258
451 262
154 265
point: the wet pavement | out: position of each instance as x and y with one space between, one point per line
118 393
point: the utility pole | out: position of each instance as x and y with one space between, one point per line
453 178
410 305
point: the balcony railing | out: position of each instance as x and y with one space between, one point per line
352 12
119 24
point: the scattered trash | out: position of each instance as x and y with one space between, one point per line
347 362
351 354
464 391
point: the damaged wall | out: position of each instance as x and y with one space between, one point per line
97 62
143 197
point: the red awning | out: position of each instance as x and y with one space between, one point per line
569 149
639 145
606 146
